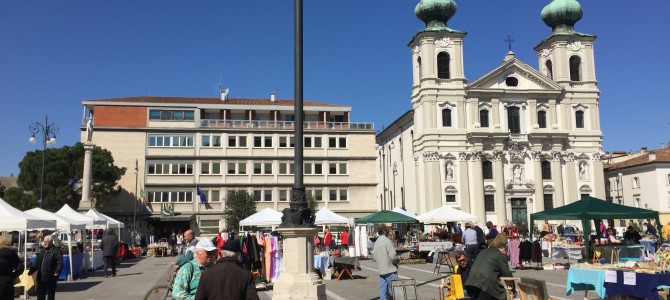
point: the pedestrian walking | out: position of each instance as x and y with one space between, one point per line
110 247
470 241
48 266
180 243
227 279
10 267
387 262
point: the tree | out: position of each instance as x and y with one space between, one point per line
63 172
19 199
311 203
239 205
2 190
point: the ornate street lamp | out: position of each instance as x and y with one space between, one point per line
48 132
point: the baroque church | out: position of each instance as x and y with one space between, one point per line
516 141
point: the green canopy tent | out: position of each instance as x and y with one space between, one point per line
590 208
385 216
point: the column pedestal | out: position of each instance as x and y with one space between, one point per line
85 203
299 281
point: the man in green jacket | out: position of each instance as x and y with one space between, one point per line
491 264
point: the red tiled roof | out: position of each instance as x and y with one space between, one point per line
196 100
662 155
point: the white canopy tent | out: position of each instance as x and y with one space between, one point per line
445 214
404 212
265 217
62 223
111 223
68 212
95 215
12 219
327 216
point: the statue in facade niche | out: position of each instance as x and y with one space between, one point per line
450 171
517 174
582 170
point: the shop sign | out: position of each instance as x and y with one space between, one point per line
167 209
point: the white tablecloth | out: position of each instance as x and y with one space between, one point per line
571 253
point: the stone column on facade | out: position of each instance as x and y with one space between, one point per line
557 174
85 204
298 280
432 180
598 176
501 211
571 192
477 188
539 189
461 114
463 187
553 114
474 112
532 112
495 111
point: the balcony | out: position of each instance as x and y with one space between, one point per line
245 124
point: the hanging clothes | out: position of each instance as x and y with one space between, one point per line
267 255
525 250
364 241
513 247
278 263
536 252
357 243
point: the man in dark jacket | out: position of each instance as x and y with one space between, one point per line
48 266
227 279
109 247
491 264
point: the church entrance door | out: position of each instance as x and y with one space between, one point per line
520 214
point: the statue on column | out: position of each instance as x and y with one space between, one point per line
89 129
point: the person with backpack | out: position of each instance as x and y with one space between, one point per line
187 279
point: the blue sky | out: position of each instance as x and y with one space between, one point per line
56 53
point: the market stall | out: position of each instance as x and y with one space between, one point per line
95 259
326 216
264 218
380 217
590 208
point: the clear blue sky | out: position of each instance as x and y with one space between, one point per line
56 53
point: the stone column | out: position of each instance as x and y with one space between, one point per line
598 177
298 281
463 186
85 204
571 193
498 168
539 189
432 181
477 188
495 113
553 115
557 174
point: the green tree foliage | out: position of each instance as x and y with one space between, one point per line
311 204
20 200
2 190
63 172
239 205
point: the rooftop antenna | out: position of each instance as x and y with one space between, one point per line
219 89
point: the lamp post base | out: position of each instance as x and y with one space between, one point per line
299 281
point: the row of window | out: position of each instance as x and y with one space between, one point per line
487 170
616 185
171 115
490 206
258 194
240 168
513 119
240 141
574 64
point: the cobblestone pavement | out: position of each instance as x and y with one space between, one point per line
136 276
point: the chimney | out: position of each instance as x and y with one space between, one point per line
643 150
272 96
652 156
224 94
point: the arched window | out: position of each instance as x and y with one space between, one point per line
579 119
418 62
546 169
575 64
484 118
511 81
550 69
513 119
446 117
443 65
542 118
487 169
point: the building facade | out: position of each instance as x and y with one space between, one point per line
516 141
220 145
640 179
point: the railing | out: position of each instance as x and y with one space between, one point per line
216 123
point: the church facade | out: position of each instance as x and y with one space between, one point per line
516 141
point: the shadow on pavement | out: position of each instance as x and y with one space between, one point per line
76 286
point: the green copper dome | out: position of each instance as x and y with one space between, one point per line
561 15
435 13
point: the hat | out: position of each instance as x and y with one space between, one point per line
232 246
468 224
499 241
205 244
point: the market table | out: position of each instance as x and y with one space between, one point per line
631 251
649 245
569 252
321 262
580 279
645 286
344 265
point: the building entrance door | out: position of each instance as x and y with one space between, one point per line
520 214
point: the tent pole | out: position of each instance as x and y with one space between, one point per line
69 250
25 261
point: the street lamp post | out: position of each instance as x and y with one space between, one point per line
619 187
48 132
383 161
136 172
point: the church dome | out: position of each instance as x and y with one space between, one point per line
562 15
435 13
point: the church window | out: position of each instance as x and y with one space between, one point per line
511 81
450 198
487 169
446 117
548 201
542 119
484 118
550 69
575 64
443 65
546 169
489 203
579 119
513 120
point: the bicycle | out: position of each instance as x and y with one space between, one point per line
162 291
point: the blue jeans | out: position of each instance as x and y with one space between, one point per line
385 284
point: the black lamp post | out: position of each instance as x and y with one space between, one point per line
48 132
136 172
